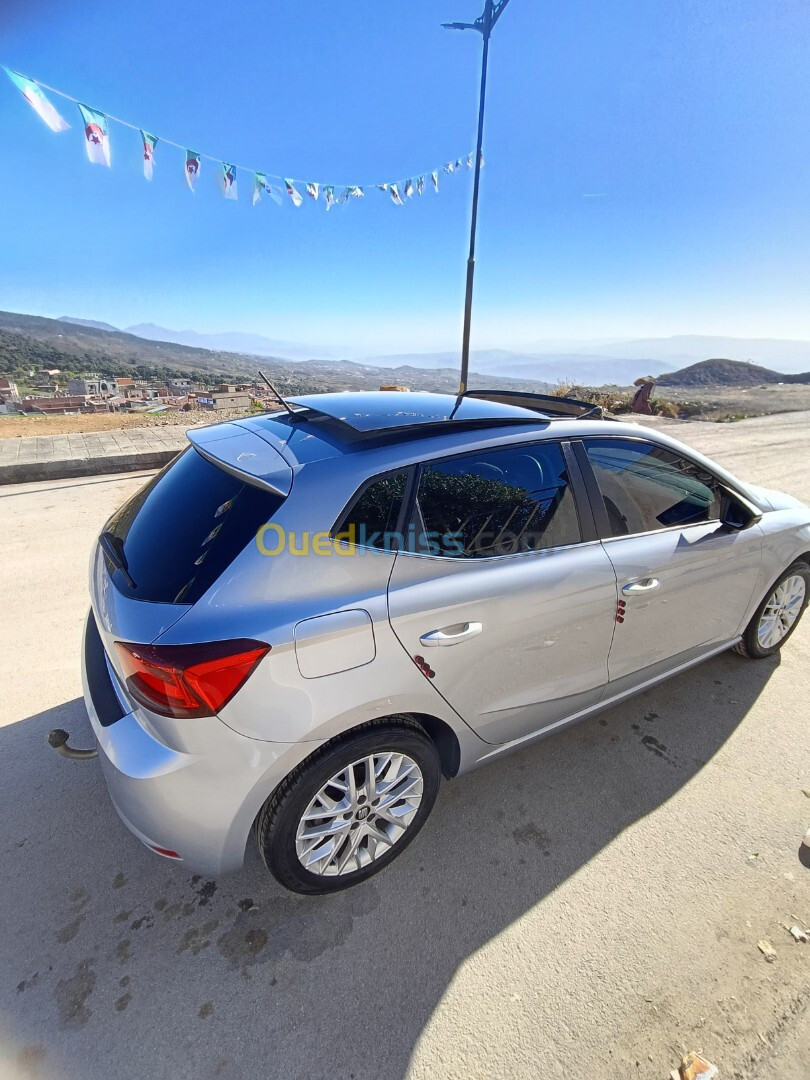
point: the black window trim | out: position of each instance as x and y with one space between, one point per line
582 505
597 503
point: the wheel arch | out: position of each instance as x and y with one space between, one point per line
438 731
445 741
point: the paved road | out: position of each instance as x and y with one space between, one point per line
588 909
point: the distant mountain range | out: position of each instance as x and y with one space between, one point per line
250 344
30 343
88 322
619 362
683 349
588 363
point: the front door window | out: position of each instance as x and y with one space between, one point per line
647 487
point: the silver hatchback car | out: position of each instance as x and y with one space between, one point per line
309 617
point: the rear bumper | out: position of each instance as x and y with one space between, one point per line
198 797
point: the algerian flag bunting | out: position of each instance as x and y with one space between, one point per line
96 135
38 102
294 195
229 181
192 167
149 144
97 146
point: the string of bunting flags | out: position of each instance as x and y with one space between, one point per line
97 143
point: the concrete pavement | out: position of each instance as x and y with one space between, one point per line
588 908
55 457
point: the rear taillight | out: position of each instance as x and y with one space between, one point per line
188 680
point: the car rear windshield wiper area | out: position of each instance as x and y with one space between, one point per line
113 548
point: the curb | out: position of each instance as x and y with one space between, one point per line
68 468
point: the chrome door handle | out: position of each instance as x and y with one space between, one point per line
451 635
646 585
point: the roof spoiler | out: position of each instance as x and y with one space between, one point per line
547 404
244 454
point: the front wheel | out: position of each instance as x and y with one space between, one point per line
778 615
351 808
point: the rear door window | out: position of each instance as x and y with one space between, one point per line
498 502
175 537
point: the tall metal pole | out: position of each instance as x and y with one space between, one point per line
484 25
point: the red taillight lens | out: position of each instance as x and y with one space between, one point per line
188 680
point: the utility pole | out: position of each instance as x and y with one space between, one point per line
484 24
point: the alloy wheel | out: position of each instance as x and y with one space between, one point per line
781 611
359 814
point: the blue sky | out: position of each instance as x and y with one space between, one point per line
687 122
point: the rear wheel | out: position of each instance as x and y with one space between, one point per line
778 615
351 808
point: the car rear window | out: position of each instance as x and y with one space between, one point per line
174 538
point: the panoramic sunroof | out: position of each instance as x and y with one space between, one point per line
384 412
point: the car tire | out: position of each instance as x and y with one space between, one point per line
767 632
315 836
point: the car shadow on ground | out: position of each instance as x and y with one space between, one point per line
117 963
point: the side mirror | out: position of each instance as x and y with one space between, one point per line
737 513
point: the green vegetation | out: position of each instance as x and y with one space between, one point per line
29 343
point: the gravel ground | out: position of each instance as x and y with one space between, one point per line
589 908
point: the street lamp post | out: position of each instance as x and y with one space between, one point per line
485 24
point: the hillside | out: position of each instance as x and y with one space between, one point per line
720 372
28 342
88 322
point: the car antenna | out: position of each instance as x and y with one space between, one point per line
459 399
278 395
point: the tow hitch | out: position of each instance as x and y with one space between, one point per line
58 739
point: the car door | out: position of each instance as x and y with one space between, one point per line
685 579
506 600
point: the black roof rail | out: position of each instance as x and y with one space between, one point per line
548 404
